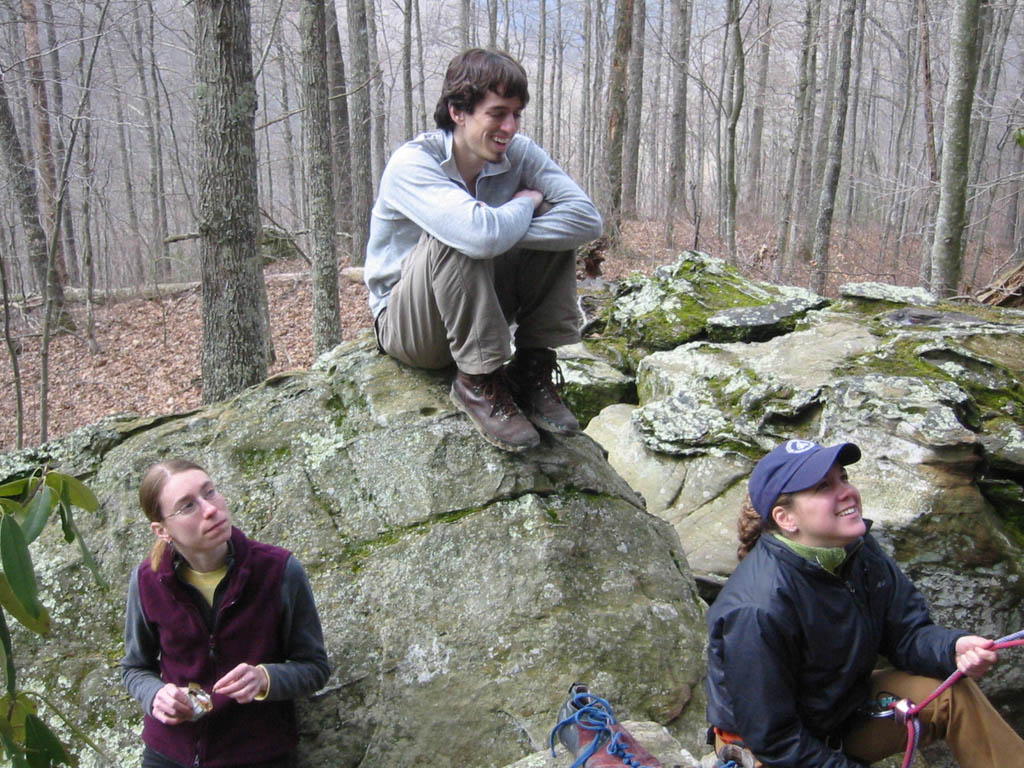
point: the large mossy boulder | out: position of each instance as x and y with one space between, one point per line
697 297
930 391
462 589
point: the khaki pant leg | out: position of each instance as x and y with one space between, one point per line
444 309
537 291
976 733
962 715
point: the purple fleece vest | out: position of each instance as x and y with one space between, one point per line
245 630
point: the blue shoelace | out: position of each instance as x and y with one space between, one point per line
595 714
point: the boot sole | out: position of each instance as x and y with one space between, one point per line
497 443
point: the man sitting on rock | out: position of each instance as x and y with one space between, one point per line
474 229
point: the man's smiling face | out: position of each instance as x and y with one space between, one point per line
483 135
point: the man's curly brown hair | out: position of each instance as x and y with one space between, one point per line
471 75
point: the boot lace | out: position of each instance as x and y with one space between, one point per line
595 714
542 376
496 389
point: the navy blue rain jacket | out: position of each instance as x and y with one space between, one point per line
792 647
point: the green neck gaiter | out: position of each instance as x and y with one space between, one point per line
829 558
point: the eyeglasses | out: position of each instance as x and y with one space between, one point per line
191 505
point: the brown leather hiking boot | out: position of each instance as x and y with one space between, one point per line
486 399
536 378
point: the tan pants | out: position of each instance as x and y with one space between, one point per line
961 716
447 307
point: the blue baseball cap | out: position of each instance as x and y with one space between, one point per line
794 466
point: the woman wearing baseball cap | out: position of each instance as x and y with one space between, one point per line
797 630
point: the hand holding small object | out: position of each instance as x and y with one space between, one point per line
243 683
171 705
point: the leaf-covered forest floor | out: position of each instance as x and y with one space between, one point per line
148 358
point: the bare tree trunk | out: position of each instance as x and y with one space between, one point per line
796 149
896 157
947 248
341 153
380 132
926 79
157 225
588 66
13 351
492 23
651 187
508 22
23 182
753 192
132 244
9 253
866 163
930 198
723 99
87 192
805 173
542 44
823 131
1015 212
359 116
266 169
234 330
163 251
654 161
826 205
733 105
680 72
617 115
631 151
44 137
407 94
420 68
555 84
599 107
289 143
465 22
996 25
326 310
852 185
70 247
87 250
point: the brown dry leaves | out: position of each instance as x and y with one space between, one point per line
149 356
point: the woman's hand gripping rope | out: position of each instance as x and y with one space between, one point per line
975 656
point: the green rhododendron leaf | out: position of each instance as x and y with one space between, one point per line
17 565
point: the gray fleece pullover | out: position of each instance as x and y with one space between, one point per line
421 190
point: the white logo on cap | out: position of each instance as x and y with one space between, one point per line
799 446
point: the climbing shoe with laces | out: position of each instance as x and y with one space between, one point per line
588 729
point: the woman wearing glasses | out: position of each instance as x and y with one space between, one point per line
221 633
